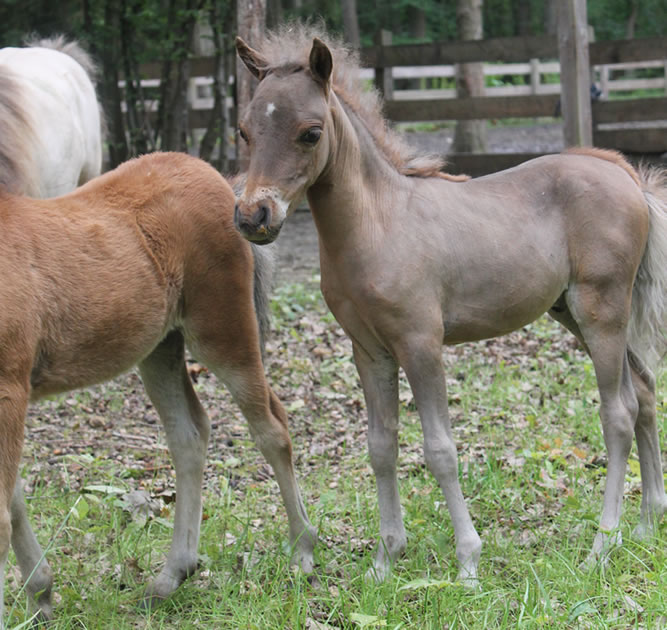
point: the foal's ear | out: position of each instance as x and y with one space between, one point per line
254 61
321 62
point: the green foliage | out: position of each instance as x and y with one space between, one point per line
501 17
19 18
155 35
609 18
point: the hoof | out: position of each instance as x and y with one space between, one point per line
41 619
470 582
603 544
648 526
302 556
303 560
378 573
163 586
150 602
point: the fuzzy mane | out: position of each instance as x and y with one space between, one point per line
289 46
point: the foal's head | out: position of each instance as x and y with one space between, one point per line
288 129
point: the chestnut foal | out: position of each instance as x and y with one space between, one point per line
130 269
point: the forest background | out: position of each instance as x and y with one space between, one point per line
124 34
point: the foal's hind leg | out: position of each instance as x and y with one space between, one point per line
600 321
233 354
268 426
379 378
187 429
654 500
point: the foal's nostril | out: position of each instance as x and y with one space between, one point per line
236 214
263 216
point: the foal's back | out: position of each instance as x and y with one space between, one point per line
96 278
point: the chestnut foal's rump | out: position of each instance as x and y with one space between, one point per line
411 259
129 269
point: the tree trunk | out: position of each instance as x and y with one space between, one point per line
216 131
417 21
522 10
470 135
172 125
632 20
575 77
274 13
136 118
110 92
250 20
351 22
550 17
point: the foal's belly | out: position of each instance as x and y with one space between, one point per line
475 321
497 280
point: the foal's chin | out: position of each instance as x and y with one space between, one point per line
262 236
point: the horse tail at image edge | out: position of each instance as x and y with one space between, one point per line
648 322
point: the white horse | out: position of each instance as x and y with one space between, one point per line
50 120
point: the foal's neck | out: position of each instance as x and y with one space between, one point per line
352 197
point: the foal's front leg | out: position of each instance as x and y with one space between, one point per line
187 428
379 379
13 404
34 568
422 362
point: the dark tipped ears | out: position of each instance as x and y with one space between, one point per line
253 60
321 62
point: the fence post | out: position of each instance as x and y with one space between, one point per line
535 76
604 81
575 73
384 81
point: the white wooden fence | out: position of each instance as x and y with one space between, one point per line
609 78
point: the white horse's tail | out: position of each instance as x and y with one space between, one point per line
648 323
72 48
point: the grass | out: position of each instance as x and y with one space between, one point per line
532 470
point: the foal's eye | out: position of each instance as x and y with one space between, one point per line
243 135
311 136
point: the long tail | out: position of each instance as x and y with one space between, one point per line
648 323
263 283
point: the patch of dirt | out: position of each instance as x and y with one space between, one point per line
297 250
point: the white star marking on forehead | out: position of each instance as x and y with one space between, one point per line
270 108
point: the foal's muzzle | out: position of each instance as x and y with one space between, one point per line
259 222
